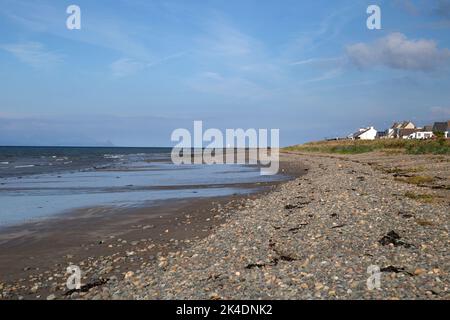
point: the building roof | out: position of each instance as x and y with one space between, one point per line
441 126
402 125
361 132
395 125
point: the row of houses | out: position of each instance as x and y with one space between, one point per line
403 130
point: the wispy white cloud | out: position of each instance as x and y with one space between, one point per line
241 65
224 39
232 87
125 67
33 53
318 61
105 31
249 68
166 59
396 51
330 74
324 32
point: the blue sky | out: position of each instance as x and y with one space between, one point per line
138 69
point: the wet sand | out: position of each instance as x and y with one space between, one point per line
39 252
83 232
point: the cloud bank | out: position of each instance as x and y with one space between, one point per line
396 51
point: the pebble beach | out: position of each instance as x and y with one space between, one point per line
313 237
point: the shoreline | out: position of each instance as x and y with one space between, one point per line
34 255
312 237
315 237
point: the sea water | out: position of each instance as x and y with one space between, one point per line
40 182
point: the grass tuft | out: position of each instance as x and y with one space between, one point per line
427 198
417 180
398 170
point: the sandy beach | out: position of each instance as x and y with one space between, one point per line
312 237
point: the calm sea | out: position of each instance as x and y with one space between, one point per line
38 182
19 161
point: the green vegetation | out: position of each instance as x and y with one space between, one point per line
427 198
417 180
439 134
389 146
440 146
398 170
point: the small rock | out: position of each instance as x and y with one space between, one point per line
419 271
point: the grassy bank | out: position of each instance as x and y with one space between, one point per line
441 146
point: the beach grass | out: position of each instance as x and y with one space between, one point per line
389 146
427 198
397 170
417 180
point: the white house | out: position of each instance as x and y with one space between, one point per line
365 134
397 128
421 135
